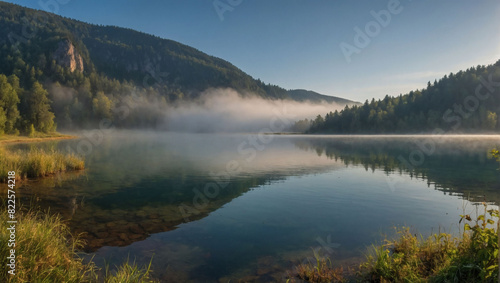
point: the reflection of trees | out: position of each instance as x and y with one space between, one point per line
455 167
112 204
135 211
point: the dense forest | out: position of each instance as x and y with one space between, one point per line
465 102
56 71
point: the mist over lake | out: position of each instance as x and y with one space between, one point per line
209 207
249 141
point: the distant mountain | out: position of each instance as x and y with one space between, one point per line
308 95
85 73
178 70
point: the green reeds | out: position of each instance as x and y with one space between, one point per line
36 162
470 257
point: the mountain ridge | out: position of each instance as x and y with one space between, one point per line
165 64
61 72
315 97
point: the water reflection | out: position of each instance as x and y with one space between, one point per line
265 216
455 164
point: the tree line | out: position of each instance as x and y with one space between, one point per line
467 101
123 68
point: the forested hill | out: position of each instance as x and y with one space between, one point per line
117 53
59 71
465 102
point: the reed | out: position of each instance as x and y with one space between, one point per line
36 162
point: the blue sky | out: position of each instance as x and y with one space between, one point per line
296 43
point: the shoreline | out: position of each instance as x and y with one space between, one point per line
35 162
25 139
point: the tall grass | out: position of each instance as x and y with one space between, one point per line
46 252
470 257
320 271
43 253
129 272
36 162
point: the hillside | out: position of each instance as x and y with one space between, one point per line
61 72
118 53
465 102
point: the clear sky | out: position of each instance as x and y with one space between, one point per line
297 43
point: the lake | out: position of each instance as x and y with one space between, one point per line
220 207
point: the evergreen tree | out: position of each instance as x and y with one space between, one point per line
9 101
39 113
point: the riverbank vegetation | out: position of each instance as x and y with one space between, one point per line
36 162
45 251
36 137
442 257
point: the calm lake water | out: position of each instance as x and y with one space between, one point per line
210 208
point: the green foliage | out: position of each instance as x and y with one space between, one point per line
409 259
9 100
444 105
301 126
129 272
32 131
102 105
43 252
38 113
47 252
472 257
125 72
320 271
490 121
3 120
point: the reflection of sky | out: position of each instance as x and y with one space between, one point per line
283 220
291 193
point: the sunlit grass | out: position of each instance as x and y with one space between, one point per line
319 271
47 252
36 163
129 272
470 257
37 136
43 253
410 259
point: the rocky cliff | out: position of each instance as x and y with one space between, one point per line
67 56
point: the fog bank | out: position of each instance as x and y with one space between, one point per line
225 110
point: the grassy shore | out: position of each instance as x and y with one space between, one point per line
36 163
46 252
38 137
442 257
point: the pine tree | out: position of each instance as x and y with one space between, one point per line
9 101
39 113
